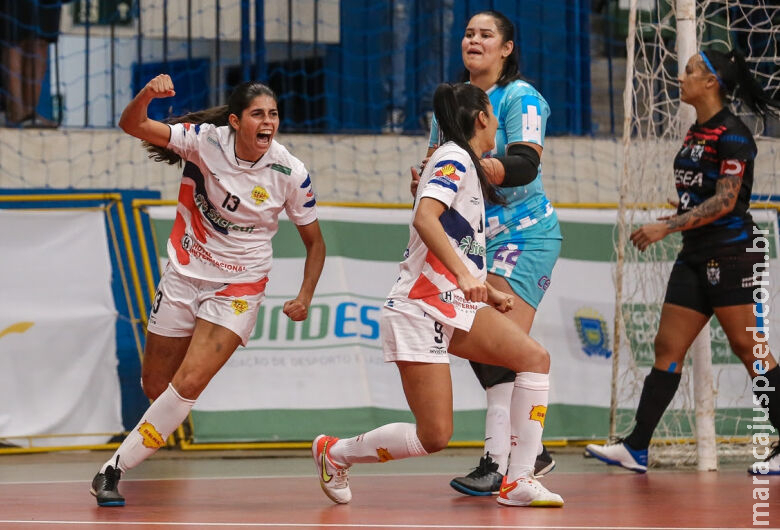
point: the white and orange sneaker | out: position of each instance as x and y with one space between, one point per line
334 479
527 491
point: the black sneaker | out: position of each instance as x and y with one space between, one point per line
544 463
105 487
484 480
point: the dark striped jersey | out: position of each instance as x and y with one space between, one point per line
720 147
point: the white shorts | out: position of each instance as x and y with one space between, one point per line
180 299
411 334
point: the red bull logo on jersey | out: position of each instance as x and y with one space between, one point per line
538 413
259 195
149 436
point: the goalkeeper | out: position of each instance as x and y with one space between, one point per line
721 265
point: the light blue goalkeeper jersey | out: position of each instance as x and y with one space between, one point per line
528 219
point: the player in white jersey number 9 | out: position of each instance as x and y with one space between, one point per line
436 307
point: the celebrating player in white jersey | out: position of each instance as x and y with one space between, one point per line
236 181
438 306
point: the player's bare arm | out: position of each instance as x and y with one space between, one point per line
720 204
311 235
135 121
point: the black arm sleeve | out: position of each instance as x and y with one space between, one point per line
520 166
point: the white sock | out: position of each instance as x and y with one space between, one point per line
158 422
529 408
393 441
498 427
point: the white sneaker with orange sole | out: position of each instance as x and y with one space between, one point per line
334 479
527 491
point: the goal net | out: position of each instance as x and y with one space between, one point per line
665 34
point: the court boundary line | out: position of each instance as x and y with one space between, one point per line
353 525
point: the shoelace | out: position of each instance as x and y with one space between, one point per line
486 465
112 478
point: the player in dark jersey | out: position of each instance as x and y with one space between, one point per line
722 265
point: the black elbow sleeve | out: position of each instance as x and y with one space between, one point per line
521 165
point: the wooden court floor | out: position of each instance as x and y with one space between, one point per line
257 491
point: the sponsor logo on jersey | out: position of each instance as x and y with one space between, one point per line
687 177
733 167
281 169
213 215
239 306
210 139
259 194
149 436
593 333
199 252
538 412
713 272
186 242
543 283
469 245
446 174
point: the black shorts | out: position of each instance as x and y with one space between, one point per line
702 284
490 375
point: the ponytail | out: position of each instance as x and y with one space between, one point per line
738 80
216 115
456 108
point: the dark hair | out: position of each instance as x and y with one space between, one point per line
736 80
511 69
239 100
456 108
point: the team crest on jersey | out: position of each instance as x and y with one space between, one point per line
713 272
259 195
593 333
239 306
149 436
696 152
538 413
